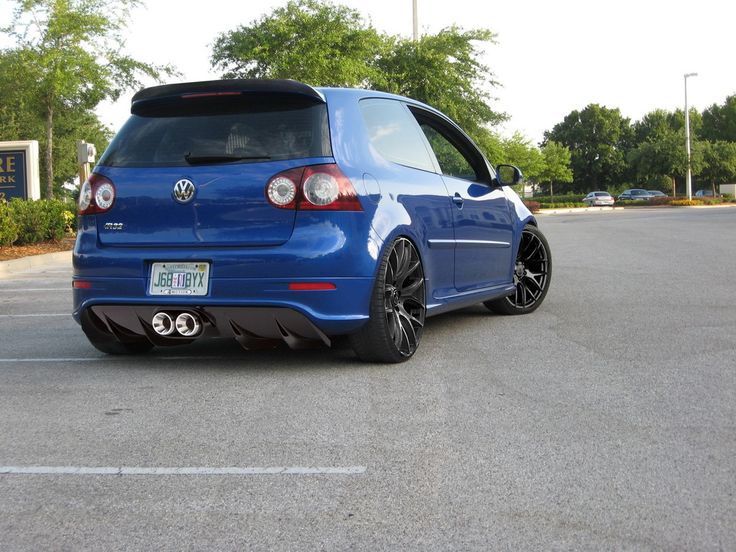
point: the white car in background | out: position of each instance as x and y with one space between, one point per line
598 198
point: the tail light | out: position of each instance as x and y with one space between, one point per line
96 195
313 188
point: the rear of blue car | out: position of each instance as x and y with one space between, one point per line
222 212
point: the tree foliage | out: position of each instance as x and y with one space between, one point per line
519 151
69 57
325 44
598 138
719 121
555 165
719 162
306 40
443 70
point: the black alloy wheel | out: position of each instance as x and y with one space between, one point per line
532 275
398 308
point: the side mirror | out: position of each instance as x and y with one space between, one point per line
508 175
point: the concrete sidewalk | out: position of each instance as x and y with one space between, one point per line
26 264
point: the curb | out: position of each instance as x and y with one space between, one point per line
639 207
26 264
577 210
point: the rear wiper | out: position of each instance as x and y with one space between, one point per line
203 159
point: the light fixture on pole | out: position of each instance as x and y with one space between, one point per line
688 177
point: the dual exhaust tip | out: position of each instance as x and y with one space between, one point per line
186 324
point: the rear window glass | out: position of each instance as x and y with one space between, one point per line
255 129
394 132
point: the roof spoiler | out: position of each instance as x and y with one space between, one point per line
225 87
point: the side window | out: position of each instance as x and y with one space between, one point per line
394 133
452 161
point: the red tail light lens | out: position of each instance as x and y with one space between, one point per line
317 187
96 195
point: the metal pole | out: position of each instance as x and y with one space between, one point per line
688 177
416 20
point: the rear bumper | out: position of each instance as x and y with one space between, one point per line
252 327
339 311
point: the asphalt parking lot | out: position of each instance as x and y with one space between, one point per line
605 420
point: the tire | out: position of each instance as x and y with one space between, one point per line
398 307
102 340
532 275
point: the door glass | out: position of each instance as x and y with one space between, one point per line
452 161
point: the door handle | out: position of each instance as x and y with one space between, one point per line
457 200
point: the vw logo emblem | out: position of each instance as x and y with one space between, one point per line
184 190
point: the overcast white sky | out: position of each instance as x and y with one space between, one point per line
551 57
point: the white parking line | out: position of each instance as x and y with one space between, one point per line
123 470
113 358
23 290
34 315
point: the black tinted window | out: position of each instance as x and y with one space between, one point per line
256 128
395 134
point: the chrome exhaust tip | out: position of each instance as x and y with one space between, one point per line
163 324
188 324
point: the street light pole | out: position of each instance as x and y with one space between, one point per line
415 20
688 178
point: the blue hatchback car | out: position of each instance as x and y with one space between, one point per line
270 211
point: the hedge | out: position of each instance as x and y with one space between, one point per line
23 222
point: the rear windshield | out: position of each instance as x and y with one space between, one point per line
244 129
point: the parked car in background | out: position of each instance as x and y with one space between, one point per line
269 212
657 193
599 198
704 193
635 194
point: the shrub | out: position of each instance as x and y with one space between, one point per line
39 220
8 226
533 206
686 202
563 205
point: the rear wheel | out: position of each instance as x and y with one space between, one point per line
398 308
102 340
532 273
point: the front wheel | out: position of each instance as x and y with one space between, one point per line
532 274
398 307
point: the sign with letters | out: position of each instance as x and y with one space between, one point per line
13 175
19 170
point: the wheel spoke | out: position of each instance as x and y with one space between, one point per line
409 290
410 318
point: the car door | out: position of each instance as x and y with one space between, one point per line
481 214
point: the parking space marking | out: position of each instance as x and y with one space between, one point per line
45 315
125 470
117 358
16 290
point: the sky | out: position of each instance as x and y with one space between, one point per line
550 57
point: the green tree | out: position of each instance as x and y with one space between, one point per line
519 151
307 40
719 121
660 147
325 44
555 165
598 139
443 70
719 162
72 52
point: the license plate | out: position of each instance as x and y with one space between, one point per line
179 278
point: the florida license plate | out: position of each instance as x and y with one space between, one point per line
179 279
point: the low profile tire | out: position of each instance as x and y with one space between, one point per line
532 273
102 340
398 308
